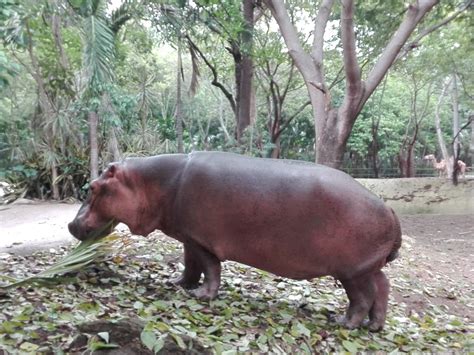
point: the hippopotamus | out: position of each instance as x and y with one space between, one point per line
294 219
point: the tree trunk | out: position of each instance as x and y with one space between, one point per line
374 152
56 31
94 146
221 120
406 161
237 55
331 141
439 133
333 125
179 114
246 70
375 145
276 151
54 185
456 142
114 145
471 144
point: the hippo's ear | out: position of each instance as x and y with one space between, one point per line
111 170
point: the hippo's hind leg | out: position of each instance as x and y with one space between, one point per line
378 311
361 292
193 269
211 266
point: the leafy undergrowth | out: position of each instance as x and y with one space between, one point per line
255 311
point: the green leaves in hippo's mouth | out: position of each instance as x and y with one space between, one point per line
101 232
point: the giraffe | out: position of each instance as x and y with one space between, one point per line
440 167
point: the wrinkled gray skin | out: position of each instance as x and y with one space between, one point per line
296 220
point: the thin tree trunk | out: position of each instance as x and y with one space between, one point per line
56 31
114 145
54 175
471 144
246 70
276 151
221 120
439 133
94 146
406 161
237 55
456 143
179 114
375 151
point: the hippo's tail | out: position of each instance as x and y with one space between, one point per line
397 243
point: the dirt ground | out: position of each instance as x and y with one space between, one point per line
441 250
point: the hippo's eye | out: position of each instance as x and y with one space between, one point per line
93 188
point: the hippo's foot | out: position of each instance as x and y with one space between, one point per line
204 293
378 311
197 261
361 294
193 269
185 282
368 295
344 322
374 326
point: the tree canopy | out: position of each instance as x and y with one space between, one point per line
86 82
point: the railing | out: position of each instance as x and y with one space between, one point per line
387 173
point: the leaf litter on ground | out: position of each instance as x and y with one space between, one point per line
254 312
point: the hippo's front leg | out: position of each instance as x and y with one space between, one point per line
193 269
211 266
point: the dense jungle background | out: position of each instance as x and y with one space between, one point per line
86 82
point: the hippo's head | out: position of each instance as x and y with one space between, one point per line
98 215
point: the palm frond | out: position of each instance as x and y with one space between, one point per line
195 74
84 254
99 49
121 15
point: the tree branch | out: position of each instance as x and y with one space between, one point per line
416 42
288 82
464 126
413 16
302 60
351 102
320 23
292 117
351 66
215 81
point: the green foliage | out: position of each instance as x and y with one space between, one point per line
122 63
8 71
99 46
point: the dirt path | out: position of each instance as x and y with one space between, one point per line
439 254
28 226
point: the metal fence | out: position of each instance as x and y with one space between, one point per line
387 173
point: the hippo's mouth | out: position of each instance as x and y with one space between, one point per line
101 232
92 234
